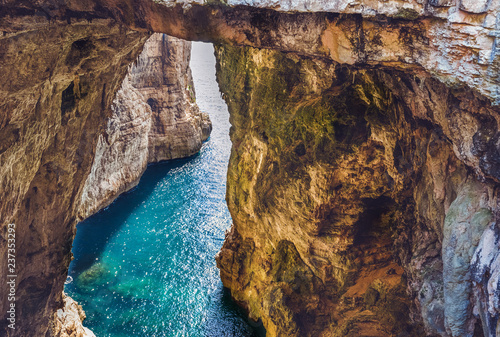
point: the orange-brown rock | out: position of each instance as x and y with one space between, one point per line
350 207
57 84
456 41
363 178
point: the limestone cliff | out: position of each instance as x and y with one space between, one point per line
353 214
68 320
454 40
57 87
154 118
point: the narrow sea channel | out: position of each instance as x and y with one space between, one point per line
145 265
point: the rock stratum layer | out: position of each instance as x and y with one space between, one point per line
454 40
365 164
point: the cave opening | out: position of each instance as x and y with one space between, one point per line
376 222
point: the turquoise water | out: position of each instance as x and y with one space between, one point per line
145 265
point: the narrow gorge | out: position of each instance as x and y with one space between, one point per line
364 169
145 265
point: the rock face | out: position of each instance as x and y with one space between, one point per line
154 118
68 320
58 83
353 213
454 40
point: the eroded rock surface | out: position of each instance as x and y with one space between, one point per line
68 320
456 41
353 213
69 146
57 87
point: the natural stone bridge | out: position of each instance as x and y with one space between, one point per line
454 40
382 160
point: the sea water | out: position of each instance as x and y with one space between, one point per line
145 265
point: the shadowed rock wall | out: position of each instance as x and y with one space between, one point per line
352 212
69 146
58 85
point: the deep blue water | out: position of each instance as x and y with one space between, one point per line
145 265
